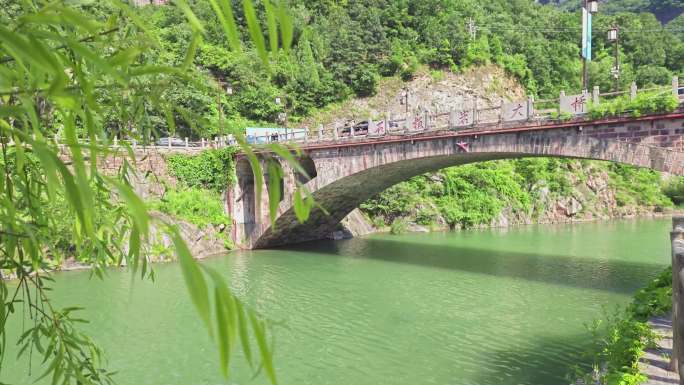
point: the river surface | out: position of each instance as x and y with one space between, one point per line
494 307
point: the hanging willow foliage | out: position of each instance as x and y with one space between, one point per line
55 59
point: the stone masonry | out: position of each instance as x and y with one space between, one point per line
346 173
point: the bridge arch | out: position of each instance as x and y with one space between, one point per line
244 205
309 167
350 175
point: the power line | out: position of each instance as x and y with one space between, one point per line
596 30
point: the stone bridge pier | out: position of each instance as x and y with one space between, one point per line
342 175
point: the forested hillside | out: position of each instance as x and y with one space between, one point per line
341 50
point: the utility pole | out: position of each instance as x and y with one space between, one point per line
589 7
405 99
614 37
229 91
472 28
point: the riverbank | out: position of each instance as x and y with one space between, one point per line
415 228
630 345
522 192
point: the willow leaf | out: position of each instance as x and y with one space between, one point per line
224 12
266 354
222 326
255 31
137 207
286 27
272 23
256 170
190 15
243 329
194 280
275 177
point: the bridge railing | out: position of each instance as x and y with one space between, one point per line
418 121
461 119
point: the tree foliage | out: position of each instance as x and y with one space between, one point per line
342 49
82 73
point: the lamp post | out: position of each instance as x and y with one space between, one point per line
614 37
405 99
283 115
229 91
589 7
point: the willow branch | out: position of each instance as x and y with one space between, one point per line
8 59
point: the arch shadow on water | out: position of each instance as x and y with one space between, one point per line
612 275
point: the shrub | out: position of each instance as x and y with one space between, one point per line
212 169
199 207
399 226
644 103
654 299
674 189
620 338
635 186
364 80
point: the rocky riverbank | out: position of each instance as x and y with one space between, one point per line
519 192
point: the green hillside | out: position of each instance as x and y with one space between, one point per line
342 48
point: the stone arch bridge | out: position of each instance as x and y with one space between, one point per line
345 173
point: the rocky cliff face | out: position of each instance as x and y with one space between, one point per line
590 191
592 197
435 91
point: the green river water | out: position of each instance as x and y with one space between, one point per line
494 307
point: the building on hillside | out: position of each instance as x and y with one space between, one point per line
140 3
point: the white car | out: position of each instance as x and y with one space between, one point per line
175 142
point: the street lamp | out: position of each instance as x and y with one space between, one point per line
229 91
405 98
592 6
614 37
283 115
589 7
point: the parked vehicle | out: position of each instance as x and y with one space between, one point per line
359 129
175 142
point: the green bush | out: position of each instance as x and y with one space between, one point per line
620 338
674 189
211 169
399 226
637 186
202 208
364 80
644 103
654 299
